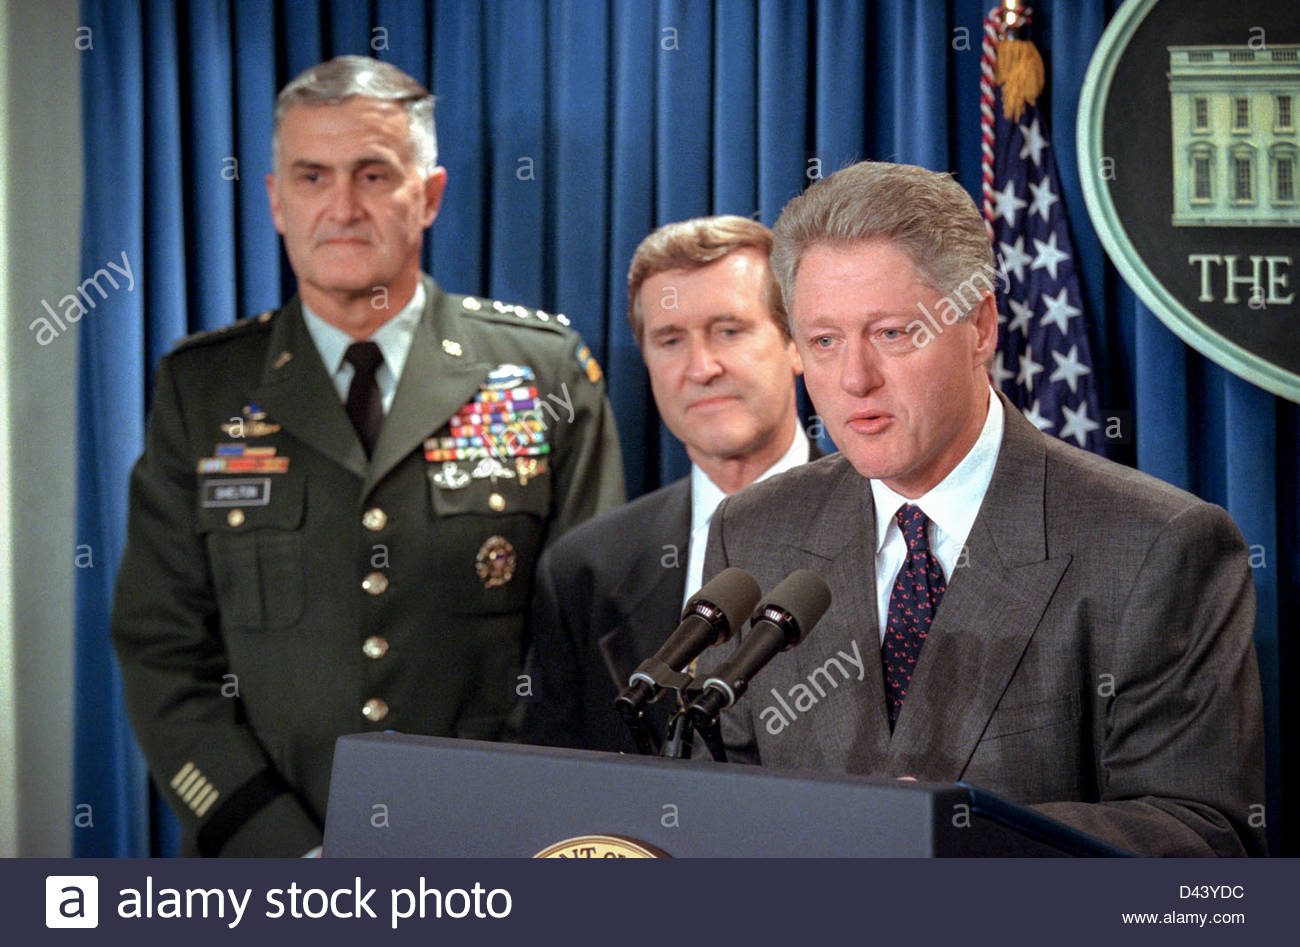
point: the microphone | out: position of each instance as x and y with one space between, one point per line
780 623
709 618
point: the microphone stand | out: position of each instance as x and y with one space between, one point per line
661 677
636 722
679 735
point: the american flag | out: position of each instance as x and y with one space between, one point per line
1043 362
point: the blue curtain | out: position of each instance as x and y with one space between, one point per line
569 130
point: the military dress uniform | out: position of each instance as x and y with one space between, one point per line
279 590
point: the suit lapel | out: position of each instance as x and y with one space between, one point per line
856 729
434 384
993 604
652 593
296 392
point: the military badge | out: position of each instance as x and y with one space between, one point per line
502 420
490 468
253 423
495 562
589 364
529 468
508 376
451 476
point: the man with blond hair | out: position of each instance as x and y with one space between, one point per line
1034 620
707 314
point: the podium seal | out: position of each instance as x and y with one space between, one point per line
600 846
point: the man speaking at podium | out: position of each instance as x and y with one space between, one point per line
1034 620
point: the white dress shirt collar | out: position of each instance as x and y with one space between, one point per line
393 338
954 502
706 495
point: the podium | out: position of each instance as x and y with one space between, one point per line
396 795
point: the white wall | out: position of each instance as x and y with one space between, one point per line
40 206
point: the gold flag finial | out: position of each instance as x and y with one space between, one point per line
1019 69
1013 14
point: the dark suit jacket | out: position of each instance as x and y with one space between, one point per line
1093 656
247 640
605 598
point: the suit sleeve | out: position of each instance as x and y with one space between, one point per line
180 694
736 723
553 714
1181 764
588 465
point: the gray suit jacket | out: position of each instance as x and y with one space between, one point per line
1093 655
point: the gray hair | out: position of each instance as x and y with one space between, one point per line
344 77
926 214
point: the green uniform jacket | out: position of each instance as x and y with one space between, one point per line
278 590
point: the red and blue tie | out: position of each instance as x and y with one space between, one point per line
912 606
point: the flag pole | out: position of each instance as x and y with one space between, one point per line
1013 63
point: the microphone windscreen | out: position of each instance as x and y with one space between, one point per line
732 590
805 595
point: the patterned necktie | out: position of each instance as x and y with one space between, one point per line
912 605
365 403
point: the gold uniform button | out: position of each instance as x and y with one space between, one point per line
375 647
497 502
375 583
374 519
235 518
375 709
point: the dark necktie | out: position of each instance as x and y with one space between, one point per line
912 605
365 403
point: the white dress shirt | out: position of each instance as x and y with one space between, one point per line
706 496
951 506
393 338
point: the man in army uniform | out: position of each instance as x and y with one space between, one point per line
334 523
